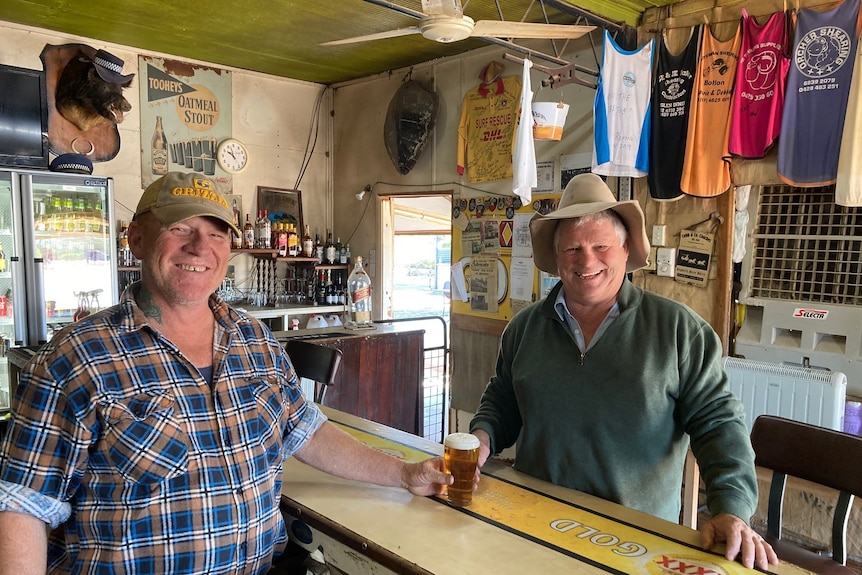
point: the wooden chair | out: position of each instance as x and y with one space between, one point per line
315 362
817 454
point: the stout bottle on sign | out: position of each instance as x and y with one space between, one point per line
358 296
159 149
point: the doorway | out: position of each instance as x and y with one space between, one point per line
416 252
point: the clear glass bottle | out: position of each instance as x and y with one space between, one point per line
358 296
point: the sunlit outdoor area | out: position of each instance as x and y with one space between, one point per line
421 276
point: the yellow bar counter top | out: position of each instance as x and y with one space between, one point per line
517 524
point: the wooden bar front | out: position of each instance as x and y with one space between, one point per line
380 378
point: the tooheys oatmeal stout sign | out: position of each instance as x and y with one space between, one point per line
185 113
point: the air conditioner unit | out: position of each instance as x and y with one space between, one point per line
802 282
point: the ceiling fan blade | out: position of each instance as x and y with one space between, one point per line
377 36
501 29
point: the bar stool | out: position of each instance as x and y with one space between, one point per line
819 455
315 362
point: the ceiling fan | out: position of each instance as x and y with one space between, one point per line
444 21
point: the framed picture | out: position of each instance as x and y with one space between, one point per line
235 203
281 205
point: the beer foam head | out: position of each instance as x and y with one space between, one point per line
462 441
179 196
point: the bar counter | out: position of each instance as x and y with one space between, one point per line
517 524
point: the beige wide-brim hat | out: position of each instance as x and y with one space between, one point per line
588 194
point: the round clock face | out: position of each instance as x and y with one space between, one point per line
232 156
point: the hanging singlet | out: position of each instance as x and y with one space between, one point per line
824 48
706 170
761 76
671 102
621 110
848 185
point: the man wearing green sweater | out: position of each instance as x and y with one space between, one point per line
603 385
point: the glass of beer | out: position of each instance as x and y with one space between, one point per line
460 457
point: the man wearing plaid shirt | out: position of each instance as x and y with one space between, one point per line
149 436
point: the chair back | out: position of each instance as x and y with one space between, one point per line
816 454
315 362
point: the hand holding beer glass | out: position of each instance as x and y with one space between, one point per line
460 458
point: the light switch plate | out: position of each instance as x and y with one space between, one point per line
659 235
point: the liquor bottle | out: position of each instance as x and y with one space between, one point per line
320 295
358 296
292 241
282 239
265 231
128 257
307 243
346 254
342 255
236 241
318 248
159 149
331 298
329 249
248 233
337 254
339 288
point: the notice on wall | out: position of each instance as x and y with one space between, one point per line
483 284
471 239
522 274
693 255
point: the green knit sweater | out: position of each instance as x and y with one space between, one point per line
615 422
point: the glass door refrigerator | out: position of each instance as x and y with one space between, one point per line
57 256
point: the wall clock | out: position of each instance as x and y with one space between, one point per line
232 156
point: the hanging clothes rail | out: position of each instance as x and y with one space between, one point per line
558 77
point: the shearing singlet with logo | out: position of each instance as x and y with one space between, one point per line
818 84
706 170
621 110
671 102
761 76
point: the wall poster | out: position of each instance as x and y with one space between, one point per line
185 113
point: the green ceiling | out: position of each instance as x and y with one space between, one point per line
281 37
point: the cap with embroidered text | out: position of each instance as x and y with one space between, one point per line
179 196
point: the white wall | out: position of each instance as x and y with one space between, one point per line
271 115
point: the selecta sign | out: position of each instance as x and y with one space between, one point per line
810 313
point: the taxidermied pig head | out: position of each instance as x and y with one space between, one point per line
90 90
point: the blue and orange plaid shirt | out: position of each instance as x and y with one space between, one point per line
117 436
